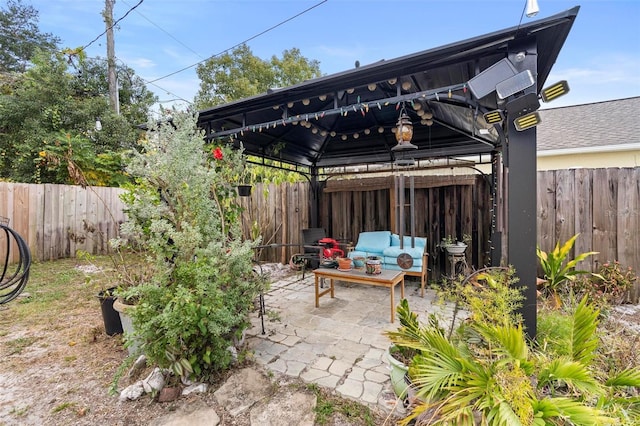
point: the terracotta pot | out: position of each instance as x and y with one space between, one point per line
344 263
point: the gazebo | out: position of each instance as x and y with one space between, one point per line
474 100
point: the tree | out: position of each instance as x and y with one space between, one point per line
20 36
241 74
47 125
135 98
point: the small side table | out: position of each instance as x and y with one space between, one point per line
458 264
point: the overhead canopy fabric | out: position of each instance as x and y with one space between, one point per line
347 118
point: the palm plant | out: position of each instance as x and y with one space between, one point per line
488 372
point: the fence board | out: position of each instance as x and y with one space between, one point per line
604 220
546 199
565 198
582 216
628 216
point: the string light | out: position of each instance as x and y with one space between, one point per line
419 108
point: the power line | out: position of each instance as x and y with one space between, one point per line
112 25
243 42
166 32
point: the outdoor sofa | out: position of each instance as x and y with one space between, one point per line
386 246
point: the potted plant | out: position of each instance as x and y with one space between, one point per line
183 211
402 350
110 317
452 246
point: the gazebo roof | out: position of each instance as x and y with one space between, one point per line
347 118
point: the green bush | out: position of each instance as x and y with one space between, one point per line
184 212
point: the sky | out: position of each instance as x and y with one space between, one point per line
158 38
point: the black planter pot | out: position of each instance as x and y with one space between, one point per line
244 190
111 317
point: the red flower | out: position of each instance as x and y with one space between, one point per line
217 153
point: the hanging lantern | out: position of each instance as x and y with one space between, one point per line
404 132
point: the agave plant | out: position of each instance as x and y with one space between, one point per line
490 373
558 269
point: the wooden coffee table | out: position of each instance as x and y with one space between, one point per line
388 278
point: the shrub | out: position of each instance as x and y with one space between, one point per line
609 286
183 211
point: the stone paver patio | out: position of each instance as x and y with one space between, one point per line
339 345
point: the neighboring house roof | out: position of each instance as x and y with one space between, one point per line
586 128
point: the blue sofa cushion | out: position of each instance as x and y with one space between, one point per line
392 253
373 242
394 267
418 241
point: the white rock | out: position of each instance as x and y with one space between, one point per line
154 382
199 388
234 353
138 366
132 392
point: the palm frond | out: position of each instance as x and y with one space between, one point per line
575 412
435 373
503 415
572 373
628 377
584 339
509 341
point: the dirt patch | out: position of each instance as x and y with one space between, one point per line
58 363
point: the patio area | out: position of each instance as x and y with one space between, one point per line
339 345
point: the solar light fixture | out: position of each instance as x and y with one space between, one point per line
527 121
514 84
493 117
485 82
555 91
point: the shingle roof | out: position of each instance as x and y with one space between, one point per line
613 122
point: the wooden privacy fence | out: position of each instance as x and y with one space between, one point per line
277 214
58 220
603 205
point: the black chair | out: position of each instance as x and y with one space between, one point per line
312 248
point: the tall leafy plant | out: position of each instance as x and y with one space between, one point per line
183 210
558 268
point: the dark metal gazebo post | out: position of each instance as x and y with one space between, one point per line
314 206
521 203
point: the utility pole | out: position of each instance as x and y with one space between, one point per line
111 57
